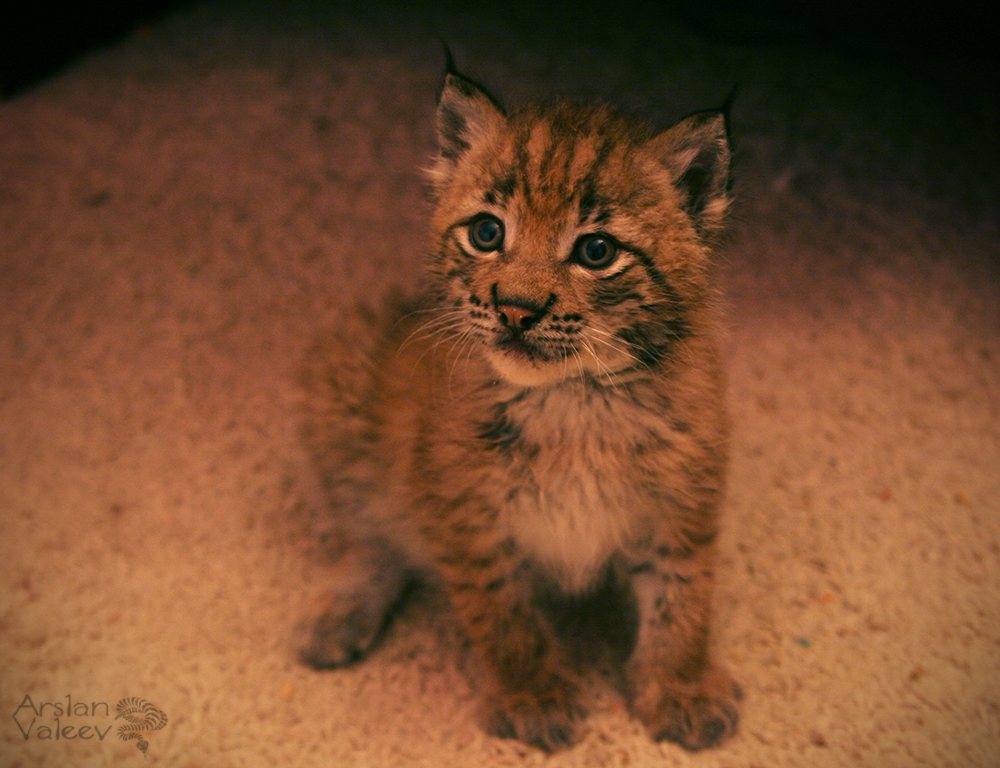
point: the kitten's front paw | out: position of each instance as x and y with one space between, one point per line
372 580
342 637
547 721
695 715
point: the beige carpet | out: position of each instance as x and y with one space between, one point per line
181 213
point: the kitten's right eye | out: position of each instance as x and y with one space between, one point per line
595 251
486 232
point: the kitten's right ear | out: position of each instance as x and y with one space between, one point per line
466 115
697 155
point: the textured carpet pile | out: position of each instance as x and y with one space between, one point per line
181 213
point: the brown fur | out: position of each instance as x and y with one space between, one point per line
545 437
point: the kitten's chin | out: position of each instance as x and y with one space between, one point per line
525 372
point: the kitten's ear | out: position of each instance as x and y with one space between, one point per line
696 154
466 115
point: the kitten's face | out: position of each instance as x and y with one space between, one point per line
564 247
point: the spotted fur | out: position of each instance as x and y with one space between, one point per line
545 427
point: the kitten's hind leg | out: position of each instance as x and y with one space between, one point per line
370 581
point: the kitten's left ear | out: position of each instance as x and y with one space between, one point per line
696 154
466 115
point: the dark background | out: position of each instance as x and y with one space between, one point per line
39 40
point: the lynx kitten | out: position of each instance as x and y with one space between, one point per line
543 436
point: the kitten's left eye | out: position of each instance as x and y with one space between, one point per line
486 232
595 251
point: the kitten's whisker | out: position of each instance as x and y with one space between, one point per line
618 346
583 377
473 343
440 329
615 344
603 371
434 326
424 311
468 340
450 333
573 353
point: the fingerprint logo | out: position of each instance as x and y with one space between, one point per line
142 716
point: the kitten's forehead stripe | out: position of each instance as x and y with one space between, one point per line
501 189
540 146
560 159
521 169
592 206
547 156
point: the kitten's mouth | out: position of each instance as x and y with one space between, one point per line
519 349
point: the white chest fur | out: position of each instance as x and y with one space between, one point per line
584 498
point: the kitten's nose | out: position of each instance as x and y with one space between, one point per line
515 317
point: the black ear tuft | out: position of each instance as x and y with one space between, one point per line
727 104
449 60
